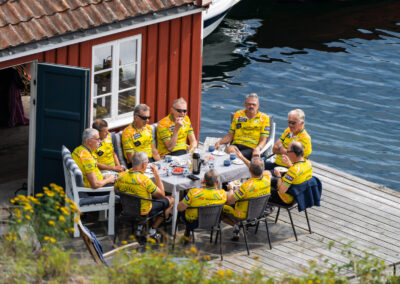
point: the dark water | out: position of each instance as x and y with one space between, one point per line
338 61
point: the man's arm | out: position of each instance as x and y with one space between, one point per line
279 148
260 146
224 140
243 158
182 206
282 188
103 167
159 193
156 155
129 156
230 197
94 183
170 144
192 142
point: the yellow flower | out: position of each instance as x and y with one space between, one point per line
66 231
76 219
221 273
61 218
49 193
150 240
28 217
39 194
19 221
53 240
206 257
12 201
52 223
72 230
46 238
43 249
132 237
161 245
310 282
229 272
193 250
124 242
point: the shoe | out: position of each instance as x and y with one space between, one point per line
156 236
268 210
168 220
236 230
139 231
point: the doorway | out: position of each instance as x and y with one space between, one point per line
15 94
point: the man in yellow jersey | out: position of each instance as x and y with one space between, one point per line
196 197
174 130
257 185
107 160
137 137
295 132
249 130
300 170
84 157
137 183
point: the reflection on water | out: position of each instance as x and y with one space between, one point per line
339 61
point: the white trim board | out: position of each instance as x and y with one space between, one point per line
51 46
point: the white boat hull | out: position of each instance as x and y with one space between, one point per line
214 14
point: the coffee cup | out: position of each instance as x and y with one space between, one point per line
227 163
232 156
168 158
211 148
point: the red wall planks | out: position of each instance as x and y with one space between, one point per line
170 67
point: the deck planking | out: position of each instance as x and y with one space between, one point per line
352 210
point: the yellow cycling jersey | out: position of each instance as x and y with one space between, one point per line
248 132
165 129
287 138
105 153
253 187
197 197
137 140
137 183
87 163
298 173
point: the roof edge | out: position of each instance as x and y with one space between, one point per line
97 32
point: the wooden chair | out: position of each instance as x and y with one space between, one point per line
95 248
209 218
255 214
76 191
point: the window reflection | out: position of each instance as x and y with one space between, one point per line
127 52
103 83
126 101
102 58
102 107
127 77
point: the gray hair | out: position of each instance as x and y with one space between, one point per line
297 148
256 166
299 113
88 133
140 108
139 158
252 96
179 101
211 178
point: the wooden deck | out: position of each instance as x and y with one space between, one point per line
352 210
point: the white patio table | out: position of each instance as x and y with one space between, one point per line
176 183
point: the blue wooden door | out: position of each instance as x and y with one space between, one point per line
62 113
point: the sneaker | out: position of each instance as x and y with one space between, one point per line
156 236
268 210
236 230
139 231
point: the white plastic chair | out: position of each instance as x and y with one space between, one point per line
76 191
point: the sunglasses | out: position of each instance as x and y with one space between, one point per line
144 117
181 110
292 122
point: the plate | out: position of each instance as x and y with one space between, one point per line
218 153
281 169
176 171
237 162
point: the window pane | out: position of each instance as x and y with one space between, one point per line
102 107
103 83
126 101
127 77
127 52
102 58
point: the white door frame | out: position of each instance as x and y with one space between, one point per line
32 129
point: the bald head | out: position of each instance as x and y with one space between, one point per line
297 148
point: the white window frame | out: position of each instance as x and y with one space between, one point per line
117 120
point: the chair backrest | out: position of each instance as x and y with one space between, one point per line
119 151
209 216
131 205
154 132
256 206
92 244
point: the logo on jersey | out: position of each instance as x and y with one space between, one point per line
238 125
289 178
267 128
137 136
187 198
242 119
